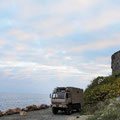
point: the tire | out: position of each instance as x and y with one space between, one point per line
79 108
69 110
54 110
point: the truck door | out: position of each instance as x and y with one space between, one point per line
68 98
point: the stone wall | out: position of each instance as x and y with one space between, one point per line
115 62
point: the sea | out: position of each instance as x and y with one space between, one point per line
9 101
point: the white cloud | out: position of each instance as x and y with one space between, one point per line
67 58
37 66
37 23
105 18
49 55
102 43
2 42
61 18
66 70
6 4
66 7
20 48
21 35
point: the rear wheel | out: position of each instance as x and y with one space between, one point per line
79 108
69 110
54 110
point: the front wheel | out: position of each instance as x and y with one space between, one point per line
54 110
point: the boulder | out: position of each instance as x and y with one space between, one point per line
31 108
24 109
45 106
9 112
1 114
39 107
118 98
34 107
12 111
17 110
23 113
42 106
111 105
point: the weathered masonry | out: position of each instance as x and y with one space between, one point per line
115 62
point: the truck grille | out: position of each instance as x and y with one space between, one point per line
57 103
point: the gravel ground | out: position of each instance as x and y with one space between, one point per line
44 115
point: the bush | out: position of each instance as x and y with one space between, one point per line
108 112
102 88
92 108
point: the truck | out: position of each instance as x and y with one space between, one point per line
66 99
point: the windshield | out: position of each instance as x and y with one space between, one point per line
58 95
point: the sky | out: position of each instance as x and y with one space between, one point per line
49 43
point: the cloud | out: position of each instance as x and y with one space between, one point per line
45 41
49 55
66 7
102 43
66 70
58 24
20 48
67 58
6 4
21 35
49 21
69 74
53 8
36 66
2 42
105 17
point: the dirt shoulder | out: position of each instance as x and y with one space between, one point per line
82 117
44 115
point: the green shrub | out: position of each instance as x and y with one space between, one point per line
99 98
109 111
102 88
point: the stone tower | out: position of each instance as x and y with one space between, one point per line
115 62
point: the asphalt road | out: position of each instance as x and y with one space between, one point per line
44 115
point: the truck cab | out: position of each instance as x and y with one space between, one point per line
66 99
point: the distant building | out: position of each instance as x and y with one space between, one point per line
115 62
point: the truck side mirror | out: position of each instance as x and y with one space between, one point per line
50 95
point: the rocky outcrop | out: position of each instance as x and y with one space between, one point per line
9 112
31 108
23 111
17 110
42 106
115 65
12 111
34 107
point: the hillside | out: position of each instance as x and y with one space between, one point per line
103 88
100 97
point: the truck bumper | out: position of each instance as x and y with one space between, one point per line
60 106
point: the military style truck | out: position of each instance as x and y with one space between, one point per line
66 99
